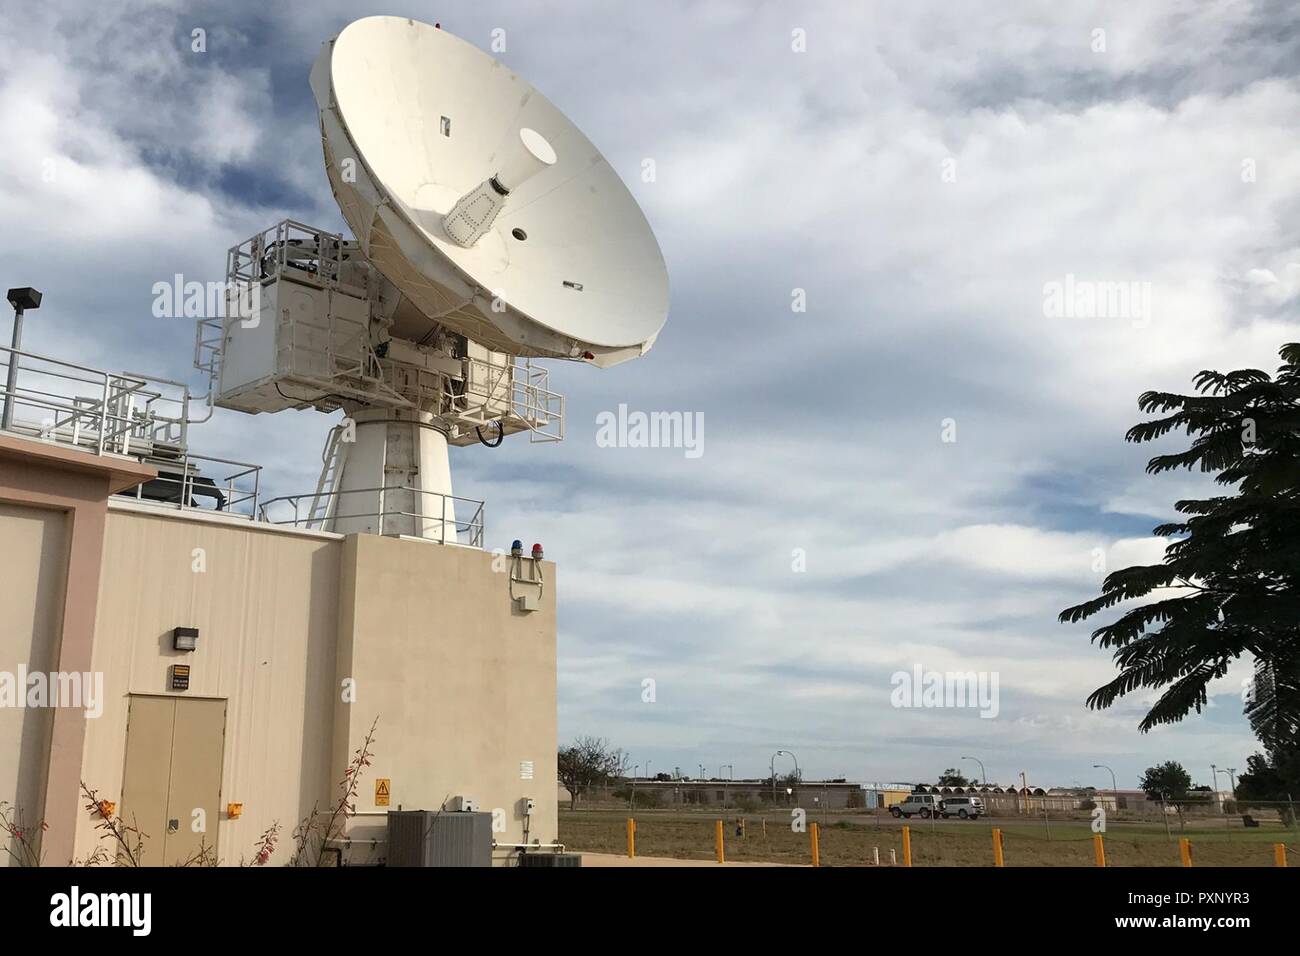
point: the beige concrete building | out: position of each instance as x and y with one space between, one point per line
304 639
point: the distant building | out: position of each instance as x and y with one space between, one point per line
845 795
809 794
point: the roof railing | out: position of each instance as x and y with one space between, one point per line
433 522
147 418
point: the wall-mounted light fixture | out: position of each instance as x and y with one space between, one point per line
185 639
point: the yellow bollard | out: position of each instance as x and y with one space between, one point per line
1279 854
718 831
1099 848
997 847
816 847
631 838
1185 850
907 846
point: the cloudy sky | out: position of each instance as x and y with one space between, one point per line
921 172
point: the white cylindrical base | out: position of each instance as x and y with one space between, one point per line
396 478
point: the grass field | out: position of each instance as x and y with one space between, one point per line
848 839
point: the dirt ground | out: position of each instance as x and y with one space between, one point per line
613 860
855 839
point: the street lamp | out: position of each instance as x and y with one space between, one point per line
23 300
772 765
983 774
1114 787
1214 782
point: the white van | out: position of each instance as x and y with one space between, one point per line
967 808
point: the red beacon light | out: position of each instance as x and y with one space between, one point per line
537 552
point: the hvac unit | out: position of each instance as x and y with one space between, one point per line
551 859
434 838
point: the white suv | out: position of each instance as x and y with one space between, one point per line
923 804
968 808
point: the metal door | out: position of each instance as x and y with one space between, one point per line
171 789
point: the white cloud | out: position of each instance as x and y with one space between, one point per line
776 170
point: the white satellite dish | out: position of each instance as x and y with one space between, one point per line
487 208
489 231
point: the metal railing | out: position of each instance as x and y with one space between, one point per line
514 394
125 414
289 243
188 488
432 523
120 413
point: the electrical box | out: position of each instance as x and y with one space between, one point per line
527 806
462 805
528 602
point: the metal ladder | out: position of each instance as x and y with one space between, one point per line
324 502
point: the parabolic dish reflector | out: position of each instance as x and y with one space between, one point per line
413 120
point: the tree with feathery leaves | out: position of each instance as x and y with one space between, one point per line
1229 583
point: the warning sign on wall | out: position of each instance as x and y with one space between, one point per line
382 788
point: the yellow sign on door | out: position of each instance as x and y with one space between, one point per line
382 787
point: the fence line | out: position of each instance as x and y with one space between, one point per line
848 844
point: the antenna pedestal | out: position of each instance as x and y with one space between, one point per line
396 478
